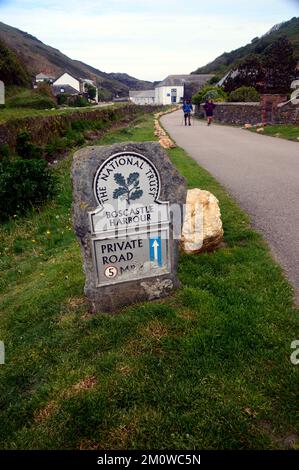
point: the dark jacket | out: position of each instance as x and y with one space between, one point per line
187 108
209 108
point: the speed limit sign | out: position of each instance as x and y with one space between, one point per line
111 272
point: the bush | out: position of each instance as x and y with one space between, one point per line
56 146
4 151
80 102
214 80
32 99
62 98
24 184
216 93
45 89
244 94
74 138
91 91
25 148
104 95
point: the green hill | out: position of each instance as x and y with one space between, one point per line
38 57
229 60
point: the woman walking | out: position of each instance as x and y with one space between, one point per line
209 107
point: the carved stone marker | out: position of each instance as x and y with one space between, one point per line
127 214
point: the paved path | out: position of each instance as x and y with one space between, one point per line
260 172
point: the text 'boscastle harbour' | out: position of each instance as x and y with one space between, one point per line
136 215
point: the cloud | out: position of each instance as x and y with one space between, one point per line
146 39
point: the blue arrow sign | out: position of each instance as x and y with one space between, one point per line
155 247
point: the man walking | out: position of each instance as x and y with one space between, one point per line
187 109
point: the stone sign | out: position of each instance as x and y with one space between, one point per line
126 198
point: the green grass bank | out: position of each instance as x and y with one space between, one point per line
207 368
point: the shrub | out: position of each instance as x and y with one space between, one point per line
56 146
80 101
24 184
216 93
45 89
25 148
81 125
91 91
214 80
62 98
244 94
32 99
4 151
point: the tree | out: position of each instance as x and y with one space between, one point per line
214 80
271 71
12 71
279 66
91 91
249 73
215 93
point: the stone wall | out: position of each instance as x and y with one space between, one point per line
234 113
287 114
42 129
254 113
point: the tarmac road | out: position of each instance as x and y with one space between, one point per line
260 172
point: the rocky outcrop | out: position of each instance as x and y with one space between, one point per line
202 228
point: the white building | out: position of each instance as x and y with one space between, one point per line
142 97
43 77
175 88
67 80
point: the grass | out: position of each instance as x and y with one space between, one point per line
205 368
284 131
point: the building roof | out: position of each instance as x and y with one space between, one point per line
44 76
180 80
74 76
142 93
87 80
230 74
68 90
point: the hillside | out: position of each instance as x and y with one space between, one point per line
12 71
228 60
131 82
39 57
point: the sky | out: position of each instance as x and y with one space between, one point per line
148 39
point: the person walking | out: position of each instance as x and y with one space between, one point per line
187 109
209 107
